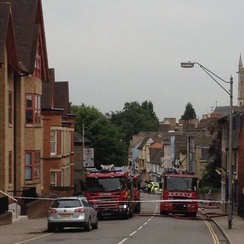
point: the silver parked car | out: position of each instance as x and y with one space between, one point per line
72 212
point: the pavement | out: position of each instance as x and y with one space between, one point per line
22 226
235 235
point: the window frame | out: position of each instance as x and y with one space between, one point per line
70 141
55 182
62 142
202 158
35 165
55 142
35 108
38 62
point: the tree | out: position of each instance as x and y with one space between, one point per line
189 112
135 118
105 137
209 175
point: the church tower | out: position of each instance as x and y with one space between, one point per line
240 84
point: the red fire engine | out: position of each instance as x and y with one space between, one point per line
181 187
113 193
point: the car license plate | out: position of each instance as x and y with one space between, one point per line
66 215
106 212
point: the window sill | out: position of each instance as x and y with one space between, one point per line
33 126
203 161
56 156
32 182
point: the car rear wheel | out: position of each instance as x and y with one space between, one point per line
88 225
95 225
50 227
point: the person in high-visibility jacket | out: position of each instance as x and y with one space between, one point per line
155 188
149 188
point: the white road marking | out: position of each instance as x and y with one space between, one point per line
33 239
123 241
133 233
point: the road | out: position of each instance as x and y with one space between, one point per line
146 229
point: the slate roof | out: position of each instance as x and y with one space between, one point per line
7 36
157 156
4 21
144 142
136 144
28 22
47 91
150 134
79 138
61 91
224 110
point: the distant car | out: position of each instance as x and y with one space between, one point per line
71 212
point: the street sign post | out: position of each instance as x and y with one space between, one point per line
88 160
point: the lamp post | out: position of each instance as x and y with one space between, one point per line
230 93
85 129
88 127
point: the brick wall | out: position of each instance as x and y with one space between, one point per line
241 161
6 218
37 209
3 111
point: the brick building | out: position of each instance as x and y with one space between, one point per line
58 138
23 69
36 127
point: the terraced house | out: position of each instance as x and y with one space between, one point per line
36 141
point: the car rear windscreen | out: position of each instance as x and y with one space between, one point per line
66 203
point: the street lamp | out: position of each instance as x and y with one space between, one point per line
230 93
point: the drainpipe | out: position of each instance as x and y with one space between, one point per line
15 136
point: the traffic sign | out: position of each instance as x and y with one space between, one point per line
88 157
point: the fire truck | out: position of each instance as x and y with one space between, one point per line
113 193
181 188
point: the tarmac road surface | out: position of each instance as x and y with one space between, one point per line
147 229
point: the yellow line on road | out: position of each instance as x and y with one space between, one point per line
33 239
215 238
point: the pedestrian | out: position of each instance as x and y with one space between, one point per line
209 196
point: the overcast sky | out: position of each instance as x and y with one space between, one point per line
117 51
